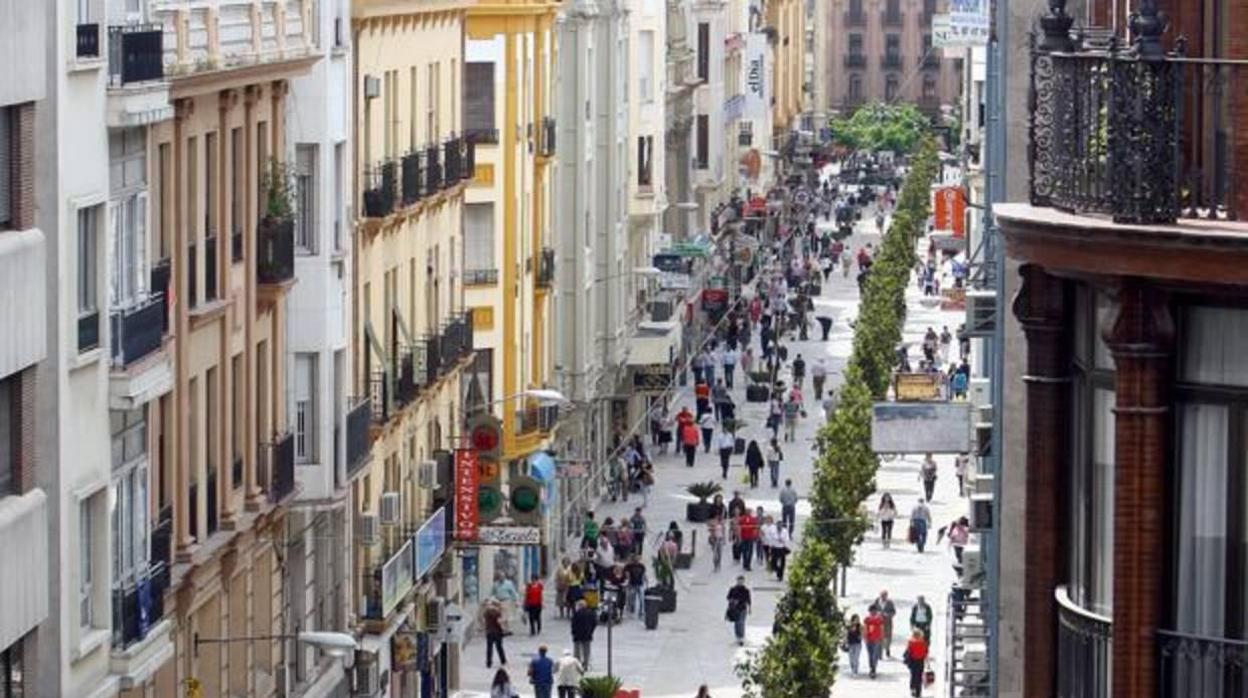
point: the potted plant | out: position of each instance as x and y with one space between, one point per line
666 584
599 686
699 511
275 234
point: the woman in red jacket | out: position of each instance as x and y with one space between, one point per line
533 604
916 661
689 440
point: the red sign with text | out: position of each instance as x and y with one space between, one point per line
951 210
466 482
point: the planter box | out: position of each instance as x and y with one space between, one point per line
697 512
684 561
668 595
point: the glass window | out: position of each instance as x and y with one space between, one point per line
478 238
12 674
88 259
645 66
1202 572
1101 585
129 500
8 440
1105 308
305 407
84 563
1215 346
478 97
6 184
305 197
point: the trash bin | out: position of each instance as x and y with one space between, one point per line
653 604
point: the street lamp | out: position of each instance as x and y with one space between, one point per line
334 644
546 396
636 271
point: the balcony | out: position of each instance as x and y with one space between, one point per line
210 269
486 136
282 468
480 277
452 161
192 277
891 17
380 192
87 38
135 54
275 251
547 142
405 383
138 331
1197 665
537 419
456 342
434 359
234 34
890 62
546 268
358 442
1135 136
931 61
379 397
853 18
411 178
1084 650
855 60
433 170
139 605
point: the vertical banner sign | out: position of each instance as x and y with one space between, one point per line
466 482
969 22
757 90
950 211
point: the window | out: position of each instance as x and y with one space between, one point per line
893 8
892 45
855 7
85 573
210 185
745 133
305 197
433 129
12 671
128 216
929 89
645 151
702 157
238 165
890 88
645 66
704 51
238 408
305 407
88 278
855 87
481 375
164 198
927 45
340 150
478 98
6 176
129 499
390 111
9 442
855 44
262 165
413 109
478 240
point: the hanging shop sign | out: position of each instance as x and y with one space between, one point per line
396 578
757 87
950 210
652 378
509 535
403 650
467 480
430 542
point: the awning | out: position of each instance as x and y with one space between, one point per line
655 343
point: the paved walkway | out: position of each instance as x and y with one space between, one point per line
695 645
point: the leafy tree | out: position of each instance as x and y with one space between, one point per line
881 126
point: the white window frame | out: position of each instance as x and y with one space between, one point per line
88 271
479 240
305 408
129 496
306 157
86 573
127 217
645 62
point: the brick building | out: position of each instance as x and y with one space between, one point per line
1124 488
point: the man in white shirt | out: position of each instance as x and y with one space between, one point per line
729 359
767 536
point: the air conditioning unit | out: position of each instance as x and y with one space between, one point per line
366 674
368 529
980 390
427 474
981 309
981 512
372 87
660 311
390 508
972 568
982 483
435 614
975 659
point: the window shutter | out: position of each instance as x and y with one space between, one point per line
478 96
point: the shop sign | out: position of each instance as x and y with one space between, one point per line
396 578
670 262
404 650
430 542
509 535
466 482
714 300
953 298
757 88
652 378
674 281
916 386
950 213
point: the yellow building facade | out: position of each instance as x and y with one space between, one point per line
411 337
788 18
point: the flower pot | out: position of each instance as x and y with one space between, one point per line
697 512
667 594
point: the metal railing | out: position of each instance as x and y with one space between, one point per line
453 161
546 268
138 331
135 54
891 17
480 277
275 253
855 60
433 170
854 19
931 61
192 276
547 146
411 178
1132 132
1084 650
379 396
380 190
358 418
282 472
481 135
456 341
139 605
1198 665
890 61
88 41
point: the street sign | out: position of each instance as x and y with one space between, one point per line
509 535
652 378
467 479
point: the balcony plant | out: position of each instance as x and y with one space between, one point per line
276 230
699 511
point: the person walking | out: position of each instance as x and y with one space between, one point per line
707 423
747 532
887 515
753 462
853 642
959 532
638 523
818 375
927 473
873 630
725 442
738 608
788 506
542 673
916 661
722 400
635 571
921 617
799 371
501 686
961 466
730 358
568 673
703 692
888 611
920 522
715 537
792 409
584 621
533 604
774 458
689 442
781 545
563 580
492 619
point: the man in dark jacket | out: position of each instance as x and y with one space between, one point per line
584 621
492 617
739 608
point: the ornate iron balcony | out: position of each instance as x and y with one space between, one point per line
855 60
1197 665
1084 649
358 442
135 54
275 256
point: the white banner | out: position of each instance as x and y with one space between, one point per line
969 22
756 80
509 535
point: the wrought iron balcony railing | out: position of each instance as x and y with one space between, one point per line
546 268
480 277
1197 665
891 17
381 191
433 170
138 331
411 178
358 418
139 605
88 41
890 61
135 54
854 19
275 256
1084 650
282 468
1132 132
855 60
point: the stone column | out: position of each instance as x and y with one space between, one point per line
1141 336
1040 307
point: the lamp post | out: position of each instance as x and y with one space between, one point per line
334 644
